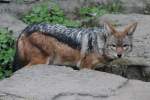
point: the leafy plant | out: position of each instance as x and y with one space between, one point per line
90 14
54 15
6 52
100 10
51 13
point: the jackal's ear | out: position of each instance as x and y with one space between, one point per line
109 28
129 30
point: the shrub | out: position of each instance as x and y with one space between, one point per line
90 15
100 9
51 13
54 15
6 52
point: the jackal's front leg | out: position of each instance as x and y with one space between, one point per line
91 61
84 50
81 60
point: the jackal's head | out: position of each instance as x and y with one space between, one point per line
118 43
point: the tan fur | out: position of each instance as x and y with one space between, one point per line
40 49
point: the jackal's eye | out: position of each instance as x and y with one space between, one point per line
125 45
113 45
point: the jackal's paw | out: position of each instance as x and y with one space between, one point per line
119 69
99 66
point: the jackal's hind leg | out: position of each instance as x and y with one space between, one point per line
39 57
38 60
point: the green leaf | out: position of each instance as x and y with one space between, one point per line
7 43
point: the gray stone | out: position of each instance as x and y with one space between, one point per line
5 1
15 9
133 6
45 82
11 23
19 7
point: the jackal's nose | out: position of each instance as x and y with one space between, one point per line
119 55
119 51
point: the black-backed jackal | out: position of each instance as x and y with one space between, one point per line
85 48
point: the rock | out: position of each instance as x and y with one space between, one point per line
11 23
45 82
5 1
136 6
19 7
133 6
28 1
15 9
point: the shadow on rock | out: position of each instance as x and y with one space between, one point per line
131 69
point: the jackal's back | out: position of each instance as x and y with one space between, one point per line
70 36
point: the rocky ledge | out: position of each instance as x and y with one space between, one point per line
49 82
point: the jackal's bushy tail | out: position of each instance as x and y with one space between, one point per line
17 63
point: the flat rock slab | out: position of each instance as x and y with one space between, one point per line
48 82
